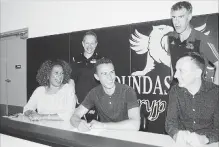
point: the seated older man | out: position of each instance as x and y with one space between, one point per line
193 110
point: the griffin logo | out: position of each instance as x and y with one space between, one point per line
155 46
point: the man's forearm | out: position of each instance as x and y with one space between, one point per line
172 131
171 126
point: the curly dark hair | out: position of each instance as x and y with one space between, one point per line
45 69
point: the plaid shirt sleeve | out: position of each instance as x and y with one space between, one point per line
171 124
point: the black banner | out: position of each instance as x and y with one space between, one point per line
135 50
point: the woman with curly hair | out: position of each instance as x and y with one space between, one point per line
55 98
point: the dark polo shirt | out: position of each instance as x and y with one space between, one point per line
196 42
197 113
112 108
83 74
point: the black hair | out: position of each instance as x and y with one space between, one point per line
102 61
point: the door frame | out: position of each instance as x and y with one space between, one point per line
7 109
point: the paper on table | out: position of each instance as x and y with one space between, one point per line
63 125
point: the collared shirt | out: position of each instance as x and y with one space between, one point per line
197 113
83 74
112 108
196 42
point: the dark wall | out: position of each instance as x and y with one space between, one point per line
41 49
113 42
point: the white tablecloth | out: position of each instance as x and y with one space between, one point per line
133 136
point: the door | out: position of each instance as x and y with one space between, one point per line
13 70
3 76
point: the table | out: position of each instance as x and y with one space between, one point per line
9 141
61 133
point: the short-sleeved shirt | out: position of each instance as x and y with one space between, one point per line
196 42
112 108
83 74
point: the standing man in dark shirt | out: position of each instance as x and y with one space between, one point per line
193 110
83 67
186 39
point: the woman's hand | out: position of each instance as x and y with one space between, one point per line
29 112
35 116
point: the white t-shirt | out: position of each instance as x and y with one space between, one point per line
61 103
